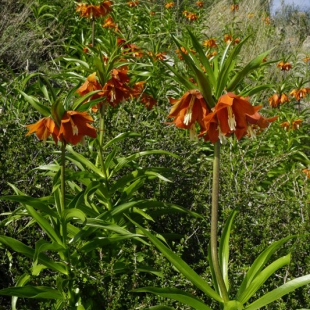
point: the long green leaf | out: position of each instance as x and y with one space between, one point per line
83 160
29 252
279 292
175 294
259 263
182 266
45 225
202 57
32 292
42 109
252 65
227 67
160 308
262 277
20 282
224 248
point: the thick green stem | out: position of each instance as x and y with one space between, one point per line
214 221
62 176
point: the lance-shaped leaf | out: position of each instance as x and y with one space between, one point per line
259 263
226 67
175 294
202 79
252 65
182 266
29 291
277 293
262 277
20 282
42 109
203 59
224 248
29 252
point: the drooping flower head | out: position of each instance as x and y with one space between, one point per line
74 126
132 4
200 4
94 11
234 7
188 110
169 5
307 172
43 129
284 66
300 93
233 115
285 125
210 43
278 99
296 124
91 84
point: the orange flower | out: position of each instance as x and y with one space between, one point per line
300 93
266 20
169 5
152 13
93 11
74 126
228 38
284 66
277 99
189 109
199 4
190 16
91 84
306 59
285 125
133 3
210 55
210 43
43 129
307 172
234 7
233 114
115 90
296 124
109 23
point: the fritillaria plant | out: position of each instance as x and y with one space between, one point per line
214 102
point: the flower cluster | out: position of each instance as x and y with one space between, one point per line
231 115
94 11
169 5
199 4
284 66
228 38
190 16
278 99
73 127
210 43
294 125
115 90
300 93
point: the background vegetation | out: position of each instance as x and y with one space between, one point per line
263 178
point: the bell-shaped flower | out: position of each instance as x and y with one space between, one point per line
188 110
233 115
43 129
74 126
278 99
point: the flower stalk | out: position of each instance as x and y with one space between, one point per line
214 223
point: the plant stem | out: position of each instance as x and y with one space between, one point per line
62 176
93 32
214 222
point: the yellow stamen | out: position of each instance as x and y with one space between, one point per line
251 133
222 137
188 114
75 129
231 119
